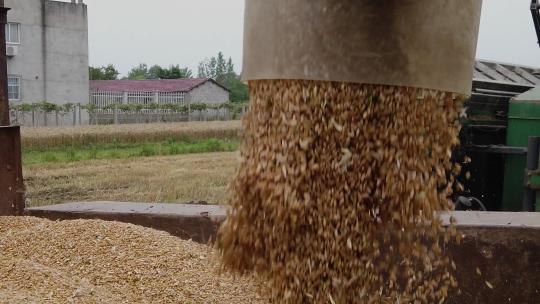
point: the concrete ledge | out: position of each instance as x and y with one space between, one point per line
197 222
497 262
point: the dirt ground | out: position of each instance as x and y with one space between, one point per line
182 178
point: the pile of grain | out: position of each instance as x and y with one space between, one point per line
102 262
336 196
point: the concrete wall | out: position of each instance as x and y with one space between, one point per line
209 92
67 78
53 55
29 62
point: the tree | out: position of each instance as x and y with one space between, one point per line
239 90
217 68
223 72
139 72
142 71
221 69
230 68
108 72
207 68
175 72
154 72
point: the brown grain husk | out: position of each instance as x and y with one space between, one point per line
87 261
336 195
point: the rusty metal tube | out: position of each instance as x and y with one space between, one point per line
11 179
417 43
4 100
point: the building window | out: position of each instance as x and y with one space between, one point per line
14 87
13 33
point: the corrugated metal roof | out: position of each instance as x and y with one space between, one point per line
493 71
532 95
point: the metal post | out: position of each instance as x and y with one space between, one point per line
535 10
533 153
74 115
189 109
115 113
11 179
4 100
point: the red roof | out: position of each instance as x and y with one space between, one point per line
159 85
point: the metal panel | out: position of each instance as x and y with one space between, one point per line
11 180
417 43
491 73
523 73
505 73
509 74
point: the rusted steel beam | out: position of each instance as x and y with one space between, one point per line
11 178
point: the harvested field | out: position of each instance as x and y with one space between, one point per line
182 178
42 138
105 262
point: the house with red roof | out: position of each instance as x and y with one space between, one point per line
161 91
108 96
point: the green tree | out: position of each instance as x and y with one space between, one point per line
207 69
230 68
155 72
139 72
108 72
175 72
222 71
142 71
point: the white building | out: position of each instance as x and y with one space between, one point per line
47 51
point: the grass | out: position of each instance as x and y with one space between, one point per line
174 162
118 150
82 136
169 179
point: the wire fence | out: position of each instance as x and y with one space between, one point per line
170 108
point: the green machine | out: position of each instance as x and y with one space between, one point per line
500 137
521 174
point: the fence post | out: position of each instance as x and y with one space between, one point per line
45 120
156 101
56 116
115 112
80 116
33 116
74 115
188 110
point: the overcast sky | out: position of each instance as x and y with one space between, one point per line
164 32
